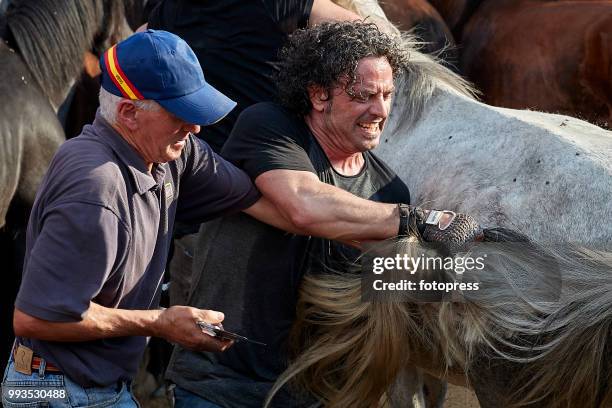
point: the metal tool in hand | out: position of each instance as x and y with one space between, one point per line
217 331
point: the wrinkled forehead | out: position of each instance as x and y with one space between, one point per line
374 66
374 73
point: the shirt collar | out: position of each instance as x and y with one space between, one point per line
141 176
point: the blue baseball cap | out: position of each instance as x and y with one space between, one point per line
159 65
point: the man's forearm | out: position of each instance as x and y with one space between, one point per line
98 322
268 213
176 324
319 209
337 214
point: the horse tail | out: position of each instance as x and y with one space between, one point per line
560 345
579 332
352 350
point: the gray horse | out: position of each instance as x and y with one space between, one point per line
41 56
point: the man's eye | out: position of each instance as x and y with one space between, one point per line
362 96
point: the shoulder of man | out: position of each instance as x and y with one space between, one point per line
263 120
84 169
266 137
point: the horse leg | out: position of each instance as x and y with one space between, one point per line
12 252
414 388
407 391
435 391
11 151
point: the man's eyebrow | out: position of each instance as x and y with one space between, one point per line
374 91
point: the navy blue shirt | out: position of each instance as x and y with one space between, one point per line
100 231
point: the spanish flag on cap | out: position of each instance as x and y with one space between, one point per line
118 77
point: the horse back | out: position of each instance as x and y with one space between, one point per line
547 56
547 176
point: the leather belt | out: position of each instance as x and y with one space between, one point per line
36 361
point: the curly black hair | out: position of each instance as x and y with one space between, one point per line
327 53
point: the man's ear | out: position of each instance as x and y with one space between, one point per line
126 114
319 97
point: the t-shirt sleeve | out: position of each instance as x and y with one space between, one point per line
289 15
211 186
77 249
266 138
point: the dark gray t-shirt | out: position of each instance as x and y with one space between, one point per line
252 271
100 230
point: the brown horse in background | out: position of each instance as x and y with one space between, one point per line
552 56
426 24
456 13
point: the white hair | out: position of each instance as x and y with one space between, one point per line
109 102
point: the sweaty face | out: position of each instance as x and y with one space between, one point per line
355 117
162 135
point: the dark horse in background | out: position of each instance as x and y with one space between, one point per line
552 56
42 56
80 107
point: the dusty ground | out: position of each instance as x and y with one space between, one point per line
145 386
459 397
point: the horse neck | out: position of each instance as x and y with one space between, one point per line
52 39
421 109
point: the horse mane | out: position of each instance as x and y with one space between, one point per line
52 36
422 75
343 341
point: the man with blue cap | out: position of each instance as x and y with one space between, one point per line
101 227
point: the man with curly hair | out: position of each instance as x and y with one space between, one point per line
311 156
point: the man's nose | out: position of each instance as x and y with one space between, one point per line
379 106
